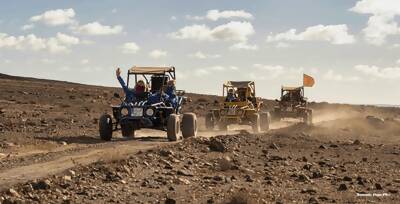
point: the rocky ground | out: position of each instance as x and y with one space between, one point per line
50 153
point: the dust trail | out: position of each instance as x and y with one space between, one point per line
325 115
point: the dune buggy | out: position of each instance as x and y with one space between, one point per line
244 109
292 104
130 116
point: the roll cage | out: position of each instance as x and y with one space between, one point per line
245 88
292 94
161 74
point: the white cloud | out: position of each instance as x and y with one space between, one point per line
59 44
382 22
27 27
201 55
243 46
114 10
331 75
215 15
130 48
232 31
173 18
234 68
67 39
84 61
398 61
156 54
209 70
374 71
96 28
55 17
335 34
274 71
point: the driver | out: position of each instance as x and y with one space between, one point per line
129 94
231 96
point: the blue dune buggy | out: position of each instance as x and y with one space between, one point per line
151 109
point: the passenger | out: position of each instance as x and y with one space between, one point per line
171 92
129 94
286 96
231 97
171 89
140 87
140 90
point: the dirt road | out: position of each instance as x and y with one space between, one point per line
36 164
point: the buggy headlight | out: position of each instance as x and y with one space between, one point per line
150 112
124 111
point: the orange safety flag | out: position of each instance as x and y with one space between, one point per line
308 81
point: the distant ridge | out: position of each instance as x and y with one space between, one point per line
386 105
10 77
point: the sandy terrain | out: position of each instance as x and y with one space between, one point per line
50 152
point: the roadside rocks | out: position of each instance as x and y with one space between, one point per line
342 187
166 153
184 173
13 193
216 145
303 178
347 178
311 191
67 178
42 184
225 163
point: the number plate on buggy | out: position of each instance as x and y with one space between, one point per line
137 112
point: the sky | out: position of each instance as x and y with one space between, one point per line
350 47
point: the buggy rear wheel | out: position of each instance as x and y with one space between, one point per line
256 122
189 125
265 120
210 121
105 127
173 126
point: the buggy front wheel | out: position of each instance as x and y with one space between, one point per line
256 123
105 127
173 126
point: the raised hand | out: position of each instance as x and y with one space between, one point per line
118 72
